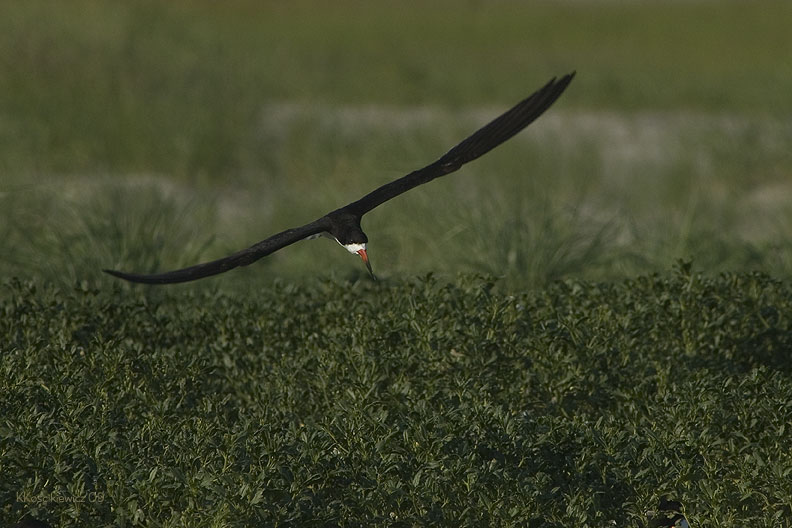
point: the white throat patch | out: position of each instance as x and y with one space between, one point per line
354 248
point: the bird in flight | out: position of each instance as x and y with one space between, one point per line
343 224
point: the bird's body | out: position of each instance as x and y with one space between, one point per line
343 224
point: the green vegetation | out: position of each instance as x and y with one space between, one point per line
407 403
147 135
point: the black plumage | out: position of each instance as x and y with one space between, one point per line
343 224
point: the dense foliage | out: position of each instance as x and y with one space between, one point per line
400 403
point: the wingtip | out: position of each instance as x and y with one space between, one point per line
562 83
120 275
559 83
568 77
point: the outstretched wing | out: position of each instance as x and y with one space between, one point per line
240 258
482 141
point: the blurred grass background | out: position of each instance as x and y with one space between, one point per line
148 135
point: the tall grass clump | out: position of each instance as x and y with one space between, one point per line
68 232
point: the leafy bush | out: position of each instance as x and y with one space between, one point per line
398 403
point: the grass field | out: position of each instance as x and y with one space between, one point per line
559 367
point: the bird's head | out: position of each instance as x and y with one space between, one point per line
359 248
346 230
356 244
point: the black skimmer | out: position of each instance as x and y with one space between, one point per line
343 224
